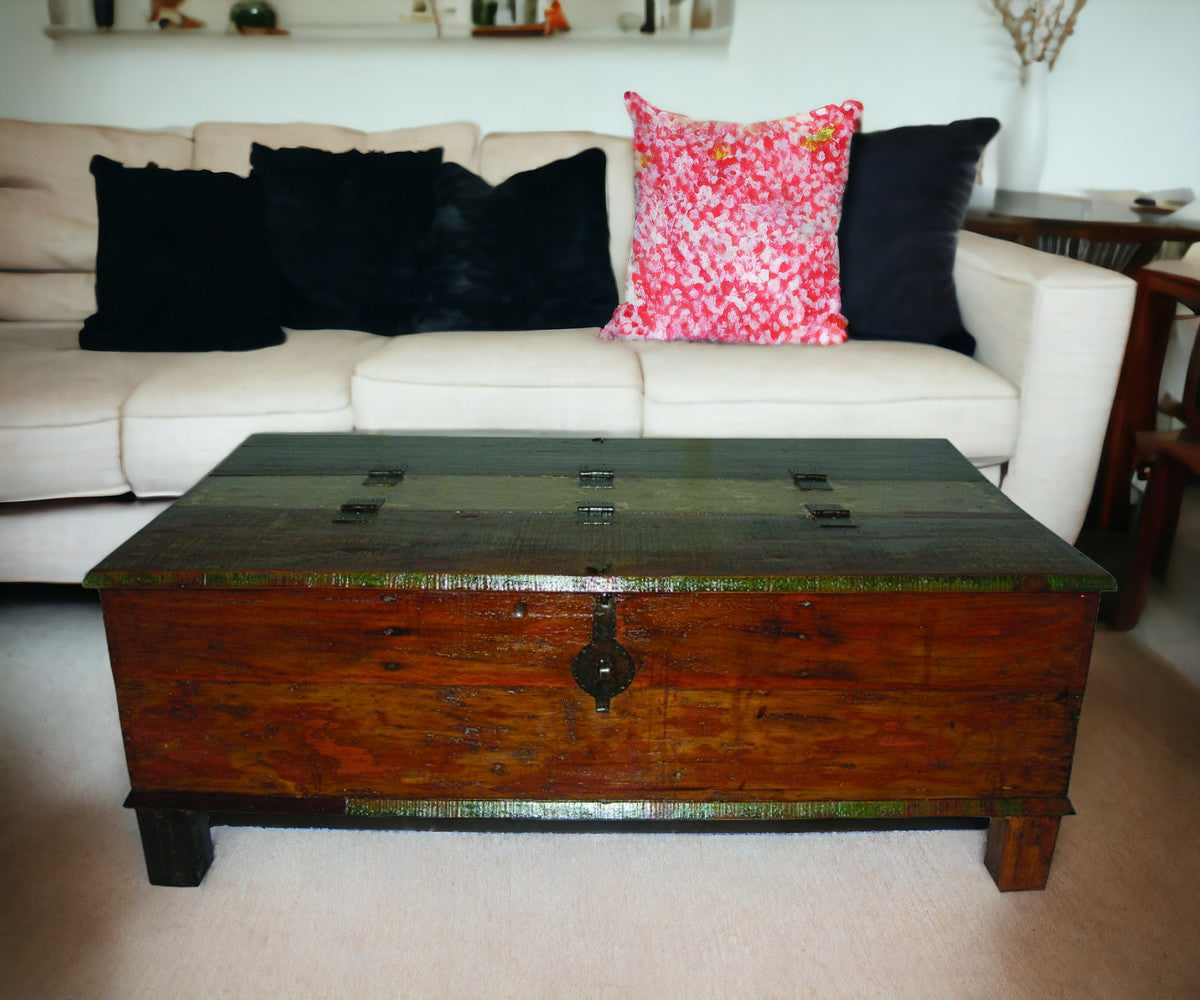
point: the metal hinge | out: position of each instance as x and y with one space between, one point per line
596 478
806 480
357 510
383 477
831 515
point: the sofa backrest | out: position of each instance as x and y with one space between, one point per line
226 145
48 220
48 209
503 154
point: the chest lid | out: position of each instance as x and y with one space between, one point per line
596 515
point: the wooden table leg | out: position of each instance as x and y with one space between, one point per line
1135 403
1019 850
177 844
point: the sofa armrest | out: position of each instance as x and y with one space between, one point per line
1056 329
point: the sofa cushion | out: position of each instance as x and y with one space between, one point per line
529 381
188 415
226 145
906 199
60 408
350 234
47 196
735 238
183 263
858 389
530 253
503 154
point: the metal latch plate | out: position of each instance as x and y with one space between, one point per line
595 513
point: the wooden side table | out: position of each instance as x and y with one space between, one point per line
1115 236
1109 234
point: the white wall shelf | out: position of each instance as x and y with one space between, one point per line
382 33
592 21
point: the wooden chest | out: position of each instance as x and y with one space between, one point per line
598 629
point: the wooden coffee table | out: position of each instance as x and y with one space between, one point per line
568 629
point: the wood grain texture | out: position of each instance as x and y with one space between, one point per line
387 625
423 695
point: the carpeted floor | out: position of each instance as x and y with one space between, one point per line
390 914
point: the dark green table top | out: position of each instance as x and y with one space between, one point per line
573 514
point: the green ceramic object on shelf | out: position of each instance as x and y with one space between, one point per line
252 14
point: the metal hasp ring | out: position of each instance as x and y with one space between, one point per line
603 668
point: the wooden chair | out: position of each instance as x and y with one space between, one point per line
1171 460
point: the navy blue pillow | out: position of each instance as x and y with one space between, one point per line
906 199
528 254
350 234
182 262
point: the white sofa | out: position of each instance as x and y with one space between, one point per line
94 444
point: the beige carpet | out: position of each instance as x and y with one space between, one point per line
352 914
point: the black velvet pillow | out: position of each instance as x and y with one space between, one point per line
350 233
182 263
529 254
906 198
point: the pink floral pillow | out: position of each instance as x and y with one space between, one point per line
735 238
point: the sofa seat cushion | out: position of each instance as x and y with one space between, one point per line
60 413
47 296
529 381
857 389
182 420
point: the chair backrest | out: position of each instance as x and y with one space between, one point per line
1190 405
1189 411
1182 283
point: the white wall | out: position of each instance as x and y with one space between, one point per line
1125 96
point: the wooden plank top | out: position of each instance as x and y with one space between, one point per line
614 514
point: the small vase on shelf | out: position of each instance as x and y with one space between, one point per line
105 12
256 15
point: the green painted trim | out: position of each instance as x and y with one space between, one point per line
382 580
671 810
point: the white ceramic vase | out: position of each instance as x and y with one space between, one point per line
1022 152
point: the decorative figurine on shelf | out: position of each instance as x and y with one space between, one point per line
168 16
556 20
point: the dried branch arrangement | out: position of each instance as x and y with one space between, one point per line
1039 28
